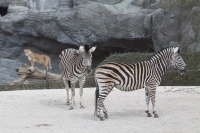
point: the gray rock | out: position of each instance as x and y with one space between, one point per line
50 26
66 3
14 9
110 2
194 33
85 24
173 27
152 20
79 2
49 31
147 3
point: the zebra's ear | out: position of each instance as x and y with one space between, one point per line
76 52
81 49
176 49
93 49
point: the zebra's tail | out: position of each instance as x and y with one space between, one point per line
96 96
69 83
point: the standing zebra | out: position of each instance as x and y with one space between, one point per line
130 77
74 64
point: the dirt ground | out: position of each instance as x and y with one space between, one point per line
40 111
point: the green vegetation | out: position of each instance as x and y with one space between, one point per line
171 78
187 4
52 85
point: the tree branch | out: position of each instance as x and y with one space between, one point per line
25 72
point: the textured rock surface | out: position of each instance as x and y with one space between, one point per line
174 29
194 34
49 26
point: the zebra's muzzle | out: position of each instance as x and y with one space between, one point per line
88 69
184 70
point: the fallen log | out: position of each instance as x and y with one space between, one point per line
25 72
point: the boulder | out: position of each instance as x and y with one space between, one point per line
50 26
174 29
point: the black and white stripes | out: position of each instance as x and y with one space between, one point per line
74 64
129 77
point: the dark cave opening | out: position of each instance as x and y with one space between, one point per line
3 10
126 45
105 48
112 46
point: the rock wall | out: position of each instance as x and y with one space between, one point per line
50 26
175 30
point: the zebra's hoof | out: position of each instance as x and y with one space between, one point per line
148 114
106 116
82 106
67 103
102 118
156 116
71 107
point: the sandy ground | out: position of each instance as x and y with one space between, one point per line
45 111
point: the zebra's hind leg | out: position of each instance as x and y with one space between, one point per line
105 93
147 102
99 106
152 96
103 107
104 111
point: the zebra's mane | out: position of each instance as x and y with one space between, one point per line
86 47
161 52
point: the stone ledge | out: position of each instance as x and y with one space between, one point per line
13 9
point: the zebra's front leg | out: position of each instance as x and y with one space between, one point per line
72 97
81 84
147 102
81 94
66 82
153 96
68 101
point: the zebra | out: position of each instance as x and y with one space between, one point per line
130 77
74 65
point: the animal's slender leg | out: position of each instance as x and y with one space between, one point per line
67 90
104 111
47 85
147 101
72 96
32 64
152 96
100 105
46 65
110 87
81 84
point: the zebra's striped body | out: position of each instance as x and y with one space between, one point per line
129 77
67 65
74 64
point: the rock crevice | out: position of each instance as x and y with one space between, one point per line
50 26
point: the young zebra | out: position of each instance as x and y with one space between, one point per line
74 64
130 77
